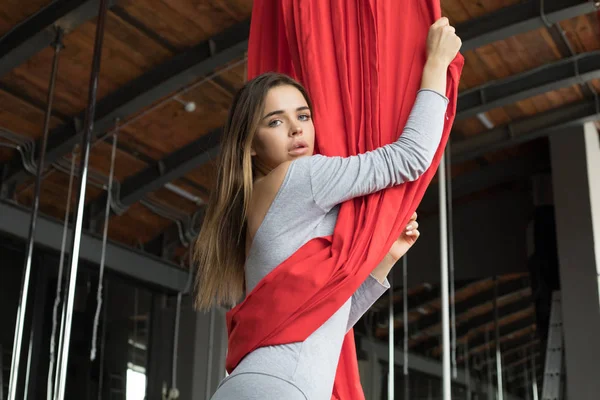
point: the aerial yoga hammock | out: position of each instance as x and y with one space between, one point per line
361 61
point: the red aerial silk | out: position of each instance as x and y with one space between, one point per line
362 62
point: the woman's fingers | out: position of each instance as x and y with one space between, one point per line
442 22
411 227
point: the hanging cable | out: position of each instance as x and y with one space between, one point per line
173 393
25 283
61 264
102 347
111 175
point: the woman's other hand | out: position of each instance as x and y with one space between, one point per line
442 43
399 248
406 240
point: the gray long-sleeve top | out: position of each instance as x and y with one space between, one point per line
306 207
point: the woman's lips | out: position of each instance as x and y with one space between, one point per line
299 151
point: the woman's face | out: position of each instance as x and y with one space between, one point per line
285 131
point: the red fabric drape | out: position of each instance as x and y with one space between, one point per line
361 61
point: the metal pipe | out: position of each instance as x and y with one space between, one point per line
184 193
488 364
467 369
534 387
65 337
448 159
405 310
391 374
22 307
209 361
497 343
526 376
446 392
28 369
405 325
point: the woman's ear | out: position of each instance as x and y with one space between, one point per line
252 151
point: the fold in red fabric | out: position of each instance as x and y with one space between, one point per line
362 63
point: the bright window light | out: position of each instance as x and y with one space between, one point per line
136 385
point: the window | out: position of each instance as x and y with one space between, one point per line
136 383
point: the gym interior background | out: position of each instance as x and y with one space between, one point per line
524 214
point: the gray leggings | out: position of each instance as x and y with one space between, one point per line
257 386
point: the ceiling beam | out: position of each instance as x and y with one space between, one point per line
121 259
506 331
560 74
430 322
526 129
172 75
523 17
432 343
416 304
508 304
168 169
511 356
37 32
184 68
480 361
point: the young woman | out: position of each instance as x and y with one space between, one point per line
273 196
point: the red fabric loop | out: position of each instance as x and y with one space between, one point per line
361 61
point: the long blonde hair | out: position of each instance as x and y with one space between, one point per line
219 251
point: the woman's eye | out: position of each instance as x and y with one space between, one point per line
304 117
274 123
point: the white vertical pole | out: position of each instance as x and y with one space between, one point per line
391 336
405 317
446 392
65 332
13 381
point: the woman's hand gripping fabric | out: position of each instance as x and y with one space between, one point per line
407 239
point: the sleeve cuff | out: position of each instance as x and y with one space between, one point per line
385 284
437 93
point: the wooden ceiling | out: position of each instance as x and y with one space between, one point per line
141 36
138 40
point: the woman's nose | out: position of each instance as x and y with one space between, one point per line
296 130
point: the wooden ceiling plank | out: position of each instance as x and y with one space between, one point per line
164 20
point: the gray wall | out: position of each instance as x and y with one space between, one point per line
489 239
